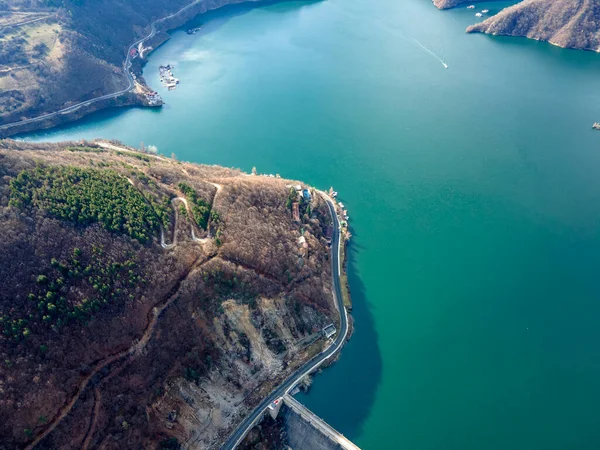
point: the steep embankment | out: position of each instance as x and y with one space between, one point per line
566 23
108 339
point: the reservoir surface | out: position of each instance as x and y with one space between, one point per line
474 201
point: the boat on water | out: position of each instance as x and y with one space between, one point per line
167 78
194 30
485 11
471 7
478 15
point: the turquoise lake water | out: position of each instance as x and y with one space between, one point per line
474 196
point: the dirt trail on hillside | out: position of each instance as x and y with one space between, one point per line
94 421
134 350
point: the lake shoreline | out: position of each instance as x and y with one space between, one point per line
473 243
132 99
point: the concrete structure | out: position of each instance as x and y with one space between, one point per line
306 431
274 408
329 331
154 99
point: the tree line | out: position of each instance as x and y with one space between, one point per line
86 196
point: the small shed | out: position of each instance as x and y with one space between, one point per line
329 331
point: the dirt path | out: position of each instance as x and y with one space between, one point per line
192 227
10 69
118 148
163 244
18 24
189 212
134 350
95 412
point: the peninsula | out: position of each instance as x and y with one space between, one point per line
153 303
565 23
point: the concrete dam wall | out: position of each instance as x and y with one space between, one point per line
306 431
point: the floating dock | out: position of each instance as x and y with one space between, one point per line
167 78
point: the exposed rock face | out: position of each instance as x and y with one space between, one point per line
566 23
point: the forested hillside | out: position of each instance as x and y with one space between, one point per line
146 302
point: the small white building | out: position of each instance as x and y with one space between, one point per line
329 331
273 405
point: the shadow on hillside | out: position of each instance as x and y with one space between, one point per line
344 394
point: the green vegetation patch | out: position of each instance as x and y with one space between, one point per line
221 284
291 198
86 196
85 149
201 209
101 279
139 156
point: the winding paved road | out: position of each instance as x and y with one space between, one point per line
126 67
240 432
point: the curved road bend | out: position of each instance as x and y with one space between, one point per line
126 67
240 432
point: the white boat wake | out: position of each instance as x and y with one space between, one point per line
425 49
